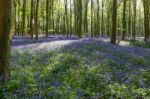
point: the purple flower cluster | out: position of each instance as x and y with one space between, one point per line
123 64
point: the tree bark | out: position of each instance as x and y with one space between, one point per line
47 17
23 17
36 19
32 19
5 39
85 19
92 19
124 20
102 24
146 19
114 22
134 19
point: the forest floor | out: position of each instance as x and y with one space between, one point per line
69 68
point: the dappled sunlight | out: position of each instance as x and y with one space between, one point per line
46 44
80 68
124 43
53 45
74 49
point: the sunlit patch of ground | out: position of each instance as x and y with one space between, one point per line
53 45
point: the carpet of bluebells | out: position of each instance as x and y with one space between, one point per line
62 68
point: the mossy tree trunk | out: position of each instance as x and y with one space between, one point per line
5 39
32 20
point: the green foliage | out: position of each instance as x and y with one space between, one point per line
77 74
140 44
140 61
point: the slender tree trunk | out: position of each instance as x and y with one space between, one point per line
78 17
98 19
70 18
52 16
146 19
129 20
134 19
85 20
19 17
102 24
124 20
47 17
92 18
109 18
23 17
66 17
36 19
5 39
79 32
15 14
32 19
114 22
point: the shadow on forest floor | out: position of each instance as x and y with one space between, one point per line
85 68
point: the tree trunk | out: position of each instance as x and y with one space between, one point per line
124 20
92 18
79 18
85 20
98 19
32 19
102 24
70 18
5 39
23 17
134 20
36 19
15 14
47 17
114 22
19 17
66 17
129 20
146 19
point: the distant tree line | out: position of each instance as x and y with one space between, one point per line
83 18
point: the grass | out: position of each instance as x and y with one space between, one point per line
141 44
81 71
